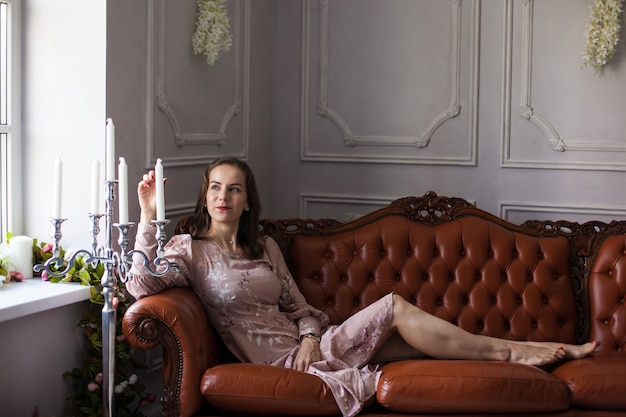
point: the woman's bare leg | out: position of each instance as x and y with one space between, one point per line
440 339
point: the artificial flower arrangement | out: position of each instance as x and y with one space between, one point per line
87 400
7 269
602 33
212 37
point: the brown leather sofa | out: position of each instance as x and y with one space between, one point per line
557 281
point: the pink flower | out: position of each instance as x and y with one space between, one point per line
98 378
47 248
16 276
92 386
44 275
116 302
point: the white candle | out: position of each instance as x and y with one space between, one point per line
160 192
57 189
95 187
110 151
122 174
21 248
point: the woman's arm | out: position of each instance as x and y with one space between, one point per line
310 320
177 250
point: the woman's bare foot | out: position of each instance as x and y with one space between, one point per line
544 353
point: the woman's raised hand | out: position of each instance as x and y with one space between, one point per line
146 193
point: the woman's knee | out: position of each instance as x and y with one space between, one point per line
401 307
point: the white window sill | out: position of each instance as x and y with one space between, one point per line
19 299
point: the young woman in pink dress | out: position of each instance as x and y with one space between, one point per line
253 303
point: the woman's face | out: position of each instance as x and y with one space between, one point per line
226 198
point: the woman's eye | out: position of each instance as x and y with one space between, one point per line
234 189
215 187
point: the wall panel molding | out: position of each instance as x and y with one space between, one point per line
561 212
365 203
387 143
157 98
528 112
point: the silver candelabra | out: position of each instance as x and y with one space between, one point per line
117 266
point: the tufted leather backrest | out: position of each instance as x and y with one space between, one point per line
472 272
606 289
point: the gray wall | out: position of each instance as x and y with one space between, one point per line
344 105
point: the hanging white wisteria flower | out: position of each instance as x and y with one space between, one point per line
602 33
212 36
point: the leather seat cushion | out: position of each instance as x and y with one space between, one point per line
448 386
598 381
252 389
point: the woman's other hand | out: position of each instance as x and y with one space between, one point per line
309 352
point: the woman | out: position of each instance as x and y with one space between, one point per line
254 304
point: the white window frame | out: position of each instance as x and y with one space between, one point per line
11 184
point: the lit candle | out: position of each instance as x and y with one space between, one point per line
95 187
57 189
160 192
110 151
122 174
21 248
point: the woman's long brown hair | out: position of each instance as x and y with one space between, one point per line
248 236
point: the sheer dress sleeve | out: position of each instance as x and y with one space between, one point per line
177 250
292 302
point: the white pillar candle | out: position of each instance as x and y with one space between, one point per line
122 177
95 187
57 189
110 151
21 248
160 191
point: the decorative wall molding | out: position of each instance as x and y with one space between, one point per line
528 112
306 199
568 212
156 94
352 139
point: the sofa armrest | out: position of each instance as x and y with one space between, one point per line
175 319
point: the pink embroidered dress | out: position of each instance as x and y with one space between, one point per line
260 313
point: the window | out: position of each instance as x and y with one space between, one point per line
10 147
